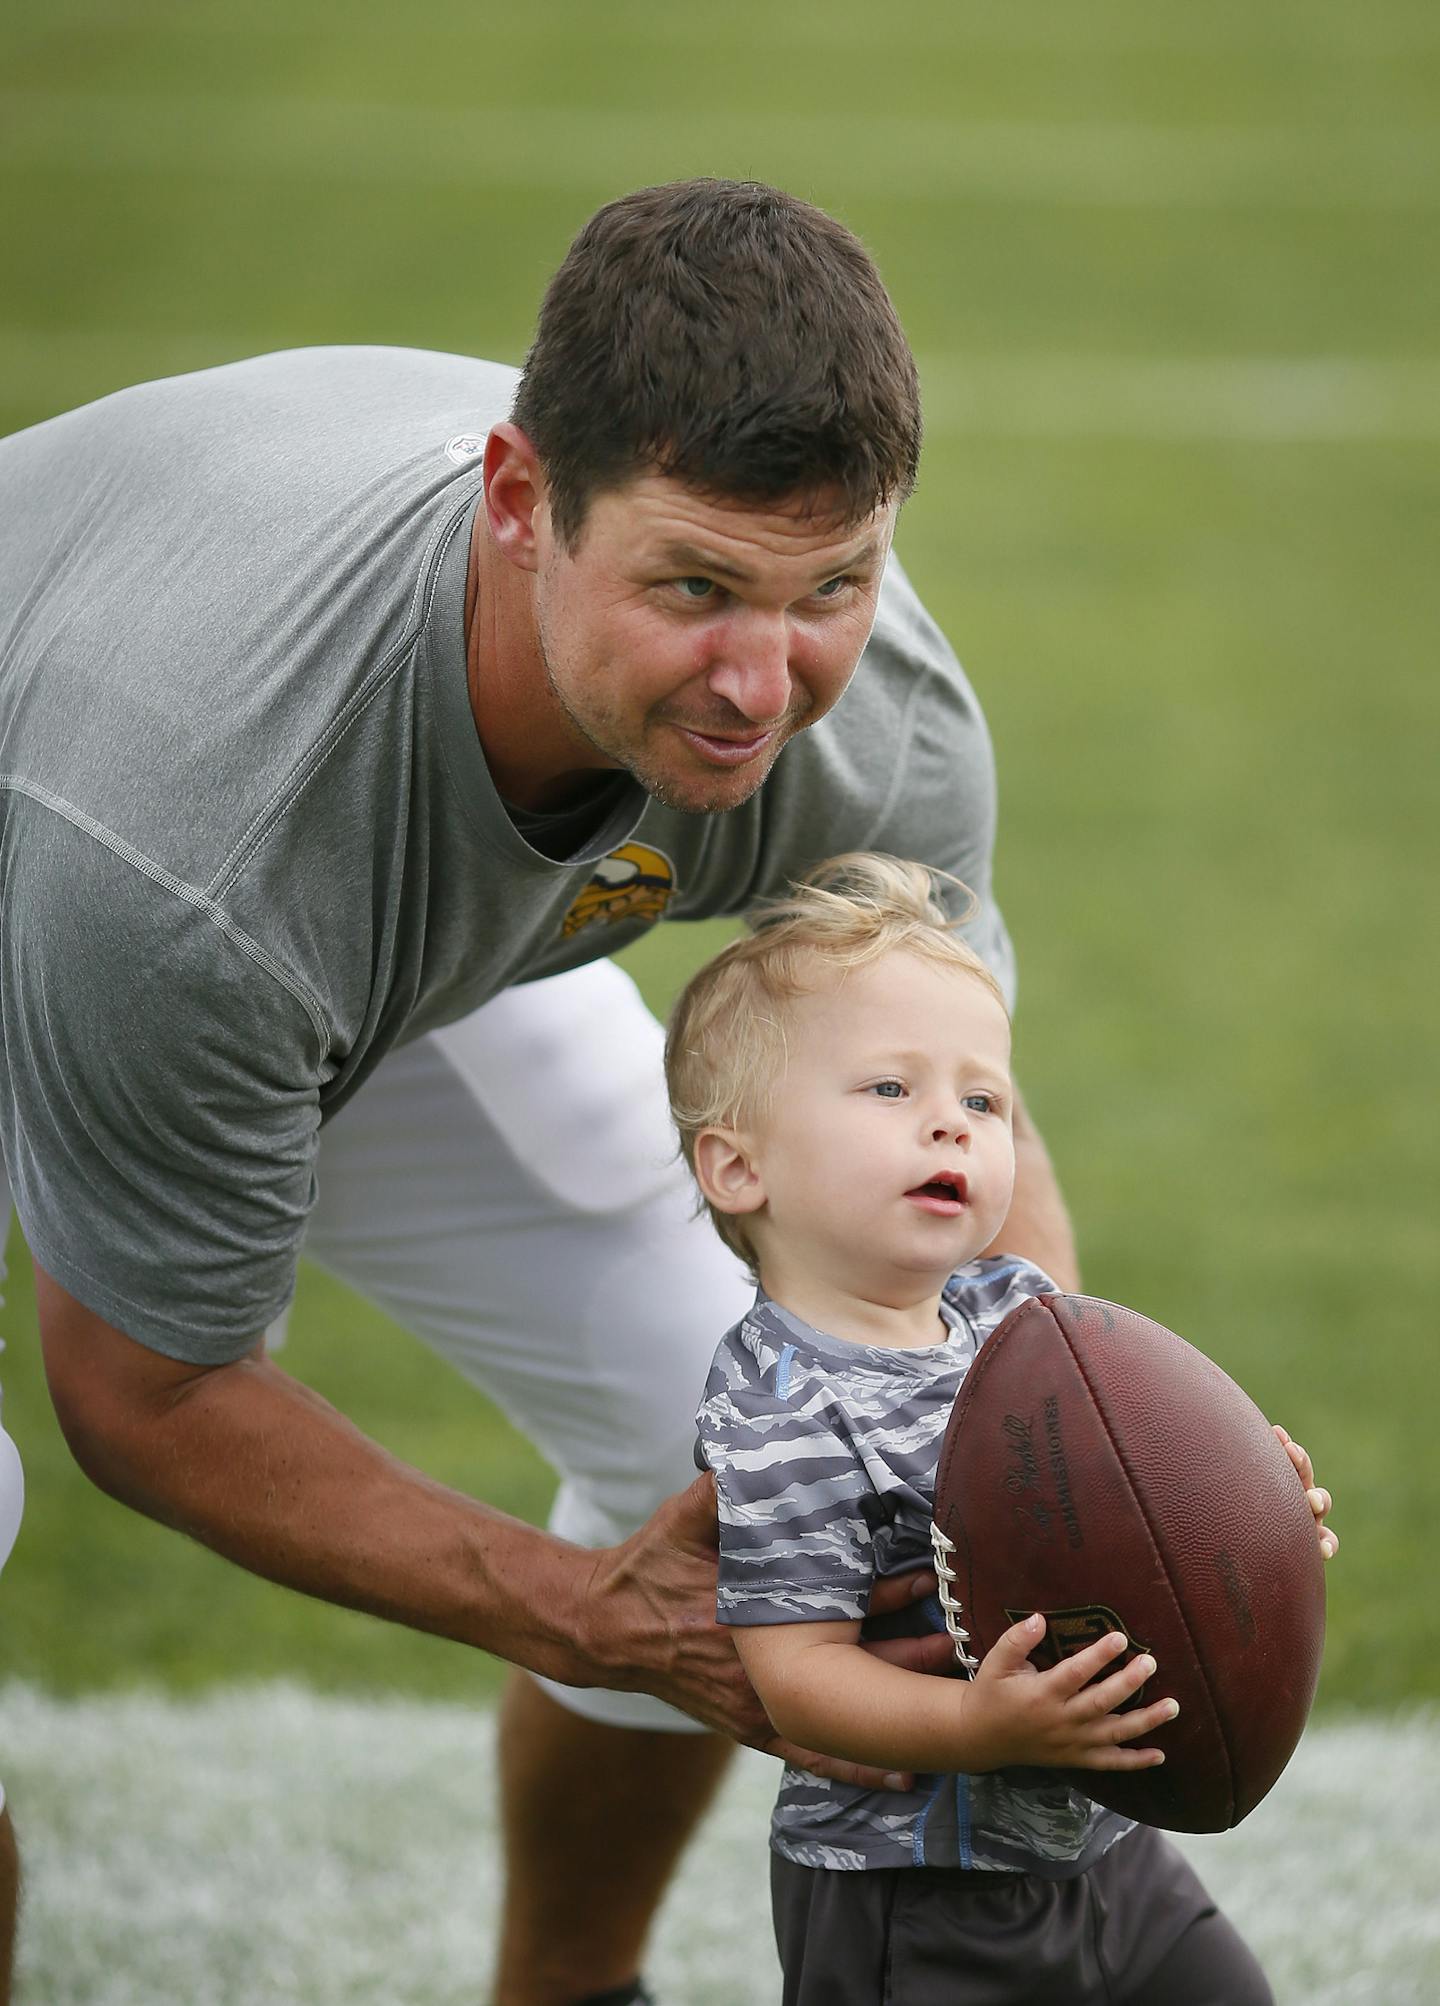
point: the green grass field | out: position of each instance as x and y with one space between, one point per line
1171 280
362 1834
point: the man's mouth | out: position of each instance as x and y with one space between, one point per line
724 749
733 740
945 1193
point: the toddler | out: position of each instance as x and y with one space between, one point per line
841 1081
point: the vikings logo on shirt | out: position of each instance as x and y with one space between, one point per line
633 882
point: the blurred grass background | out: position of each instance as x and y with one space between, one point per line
1171 280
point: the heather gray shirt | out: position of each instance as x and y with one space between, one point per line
250 841
824 1454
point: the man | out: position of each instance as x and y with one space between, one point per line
357 703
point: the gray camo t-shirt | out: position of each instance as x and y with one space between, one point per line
824 1454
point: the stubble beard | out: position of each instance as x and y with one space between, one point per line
663 788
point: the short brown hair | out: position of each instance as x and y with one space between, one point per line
729 335
725 1047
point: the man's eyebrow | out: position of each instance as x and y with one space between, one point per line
689 557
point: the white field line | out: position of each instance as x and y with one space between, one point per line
268 1847
1306 34
1065 164
1298 399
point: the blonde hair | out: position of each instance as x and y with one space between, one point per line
725 1048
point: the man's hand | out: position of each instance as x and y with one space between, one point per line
649 1625
647 1619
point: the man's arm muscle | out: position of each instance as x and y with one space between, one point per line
1037 1224
257 1466
247 1460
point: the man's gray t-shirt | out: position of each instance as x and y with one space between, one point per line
824 1454
250 841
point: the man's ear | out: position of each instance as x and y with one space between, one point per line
516 500
726 1171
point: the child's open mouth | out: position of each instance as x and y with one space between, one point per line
944 1193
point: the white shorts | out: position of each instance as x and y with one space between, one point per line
509 1189
12 1477
12 1494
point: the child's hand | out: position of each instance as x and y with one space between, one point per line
1319 1500
1057 1718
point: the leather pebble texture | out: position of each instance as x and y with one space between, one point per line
1103 1471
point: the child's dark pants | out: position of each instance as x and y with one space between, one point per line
1136 1929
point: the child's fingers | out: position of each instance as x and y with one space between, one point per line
1103 1744
1298 1457
1106 1694
1144 1720
1115 1757
1071 1674
1321 1504
1013 1646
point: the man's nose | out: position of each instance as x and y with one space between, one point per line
753 670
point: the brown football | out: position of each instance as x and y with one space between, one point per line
1101 1470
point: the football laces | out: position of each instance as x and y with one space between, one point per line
949 1600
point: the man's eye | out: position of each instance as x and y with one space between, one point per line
695 588
889 1090
831 589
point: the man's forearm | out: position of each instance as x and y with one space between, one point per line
304 1498
258 1467
255 1465
1037 1224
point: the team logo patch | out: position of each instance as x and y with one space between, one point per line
1070 1630
465 447
633 882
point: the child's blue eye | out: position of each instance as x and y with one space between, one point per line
979 1103
890 1090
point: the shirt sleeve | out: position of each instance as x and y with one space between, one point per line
159 1099
795 1504
943 809
989 1289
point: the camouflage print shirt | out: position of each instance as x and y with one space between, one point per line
824 1454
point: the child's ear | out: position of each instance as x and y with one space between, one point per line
726 1171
